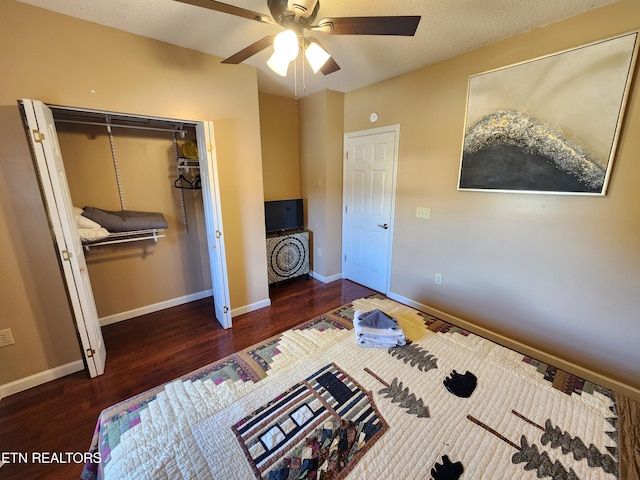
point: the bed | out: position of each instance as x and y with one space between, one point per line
312 403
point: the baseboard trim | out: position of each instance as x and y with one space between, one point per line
582 372
251 307
40 378
155 307
174 302
329 279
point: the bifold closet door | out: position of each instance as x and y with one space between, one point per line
213 220
55 192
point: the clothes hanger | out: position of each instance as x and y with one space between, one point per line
186 184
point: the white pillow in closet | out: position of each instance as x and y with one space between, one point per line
84 222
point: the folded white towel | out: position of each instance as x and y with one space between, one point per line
377 329
377 341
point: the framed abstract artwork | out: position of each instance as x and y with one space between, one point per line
548 125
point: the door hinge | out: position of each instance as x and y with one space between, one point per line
218 233
346 208
38 136
225 309
66 255
345 258
90 352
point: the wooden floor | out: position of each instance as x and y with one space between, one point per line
142 353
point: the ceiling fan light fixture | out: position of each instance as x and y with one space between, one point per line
278 64
286 44
316 56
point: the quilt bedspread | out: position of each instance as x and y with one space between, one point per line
313 404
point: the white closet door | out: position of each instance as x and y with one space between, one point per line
57 198
213 220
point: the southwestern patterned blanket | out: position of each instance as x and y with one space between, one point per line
312 404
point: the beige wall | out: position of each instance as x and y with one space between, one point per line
302 157
321 132
279 126
333 174
32 295
65 61
559 273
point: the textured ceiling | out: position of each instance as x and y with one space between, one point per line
447 28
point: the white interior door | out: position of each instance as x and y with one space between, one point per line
57 198
213 220
369 194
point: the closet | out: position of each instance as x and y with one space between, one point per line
162 169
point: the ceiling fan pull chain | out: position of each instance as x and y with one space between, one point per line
295 80
304 76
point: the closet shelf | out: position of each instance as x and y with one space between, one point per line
187 164
124 237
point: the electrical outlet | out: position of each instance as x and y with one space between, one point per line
438 279
6 338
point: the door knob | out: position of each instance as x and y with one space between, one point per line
385 226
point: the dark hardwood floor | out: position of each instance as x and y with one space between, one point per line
142 353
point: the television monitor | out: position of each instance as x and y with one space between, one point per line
283 215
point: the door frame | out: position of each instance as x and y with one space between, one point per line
395 129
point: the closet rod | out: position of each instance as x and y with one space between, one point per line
139 127
153 237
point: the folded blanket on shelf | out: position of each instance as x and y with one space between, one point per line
88 230
92 234
377 329
126 220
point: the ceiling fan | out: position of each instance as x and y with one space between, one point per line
296 17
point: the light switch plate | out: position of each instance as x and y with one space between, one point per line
423 212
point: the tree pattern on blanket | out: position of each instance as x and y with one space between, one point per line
568 444
554 437
541 462
415 355
400 394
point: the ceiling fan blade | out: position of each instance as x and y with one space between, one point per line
330 67
231 10
249 51
400 25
